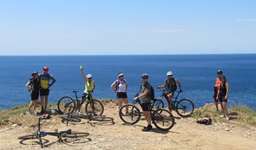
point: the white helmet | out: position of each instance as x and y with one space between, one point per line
88 76
169 73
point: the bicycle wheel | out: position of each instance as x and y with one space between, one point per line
163 119
30 136
64 102
94 107
158 104
129 114
185 107
103 119
75 134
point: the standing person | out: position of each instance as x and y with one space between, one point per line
45 85
89 86
146 101
216 88
33 85
222 96
120 86
171 86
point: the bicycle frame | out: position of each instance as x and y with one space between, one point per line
175 98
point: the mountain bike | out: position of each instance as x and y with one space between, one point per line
184 107
161 118
92 106
62 136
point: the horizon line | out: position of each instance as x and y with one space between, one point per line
131 54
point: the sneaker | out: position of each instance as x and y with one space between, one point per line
222 116
148 128
35 112
227 117
28 112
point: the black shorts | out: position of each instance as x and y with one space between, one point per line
121 95
44 92
34 95
146 106
222 99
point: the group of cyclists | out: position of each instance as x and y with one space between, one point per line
40 83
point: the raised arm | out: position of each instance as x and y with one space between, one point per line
82 72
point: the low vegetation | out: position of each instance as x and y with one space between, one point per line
238 114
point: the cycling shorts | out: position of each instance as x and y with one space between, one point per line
34 95
146 106
44 92
121 95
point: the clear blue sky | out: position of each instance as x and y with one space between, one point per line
100 27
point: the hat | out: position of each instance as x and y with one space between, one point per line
120 74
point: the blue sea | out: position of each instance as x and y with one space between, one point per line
197 74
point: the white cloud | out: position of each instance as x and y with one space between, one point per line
167 30
246 20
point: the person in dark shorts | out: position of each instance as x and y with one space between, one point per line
216 88
33 86
45 85
222 96
120 86
171 85
146 100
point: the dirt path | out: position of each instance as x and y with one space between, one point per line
186 134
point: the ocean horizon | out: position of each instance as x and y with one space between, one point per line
196 72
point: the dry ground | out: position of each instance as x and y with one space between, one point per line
186 134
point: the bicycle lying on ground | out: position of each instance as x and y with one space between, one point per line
161 118
62 136
184 107
77 117
92 106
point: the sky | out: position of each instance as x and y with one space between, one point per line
127 27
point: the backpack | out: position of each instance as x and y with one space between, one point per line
152 92
171 85
205 121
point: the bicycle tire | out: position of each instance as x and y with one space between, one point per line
75 134
132 116
158 104
29 136
163 119
94 107
103 118
185 107
63 102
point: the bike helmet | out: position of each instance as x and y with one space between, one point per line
169 73
144 76
88 76
120 74
219 72
34 73
45 68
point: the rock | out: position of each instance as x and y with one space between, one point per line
226 129
14 125
233 126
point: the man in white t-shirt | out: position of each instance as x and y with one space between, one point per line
120 86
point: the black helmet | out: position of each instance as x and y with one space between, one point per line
219 72
144 76
34 73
